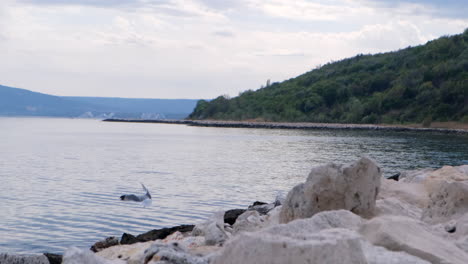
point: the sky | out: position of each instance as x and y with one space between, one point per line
200 48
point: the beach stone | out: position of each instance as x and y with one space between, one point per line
230 216
414 194
23 259
108 242
54 258
352 187
394 206
248 222
213 229
79 256
448 194
161 253
328 246
399 233
414 176
124 252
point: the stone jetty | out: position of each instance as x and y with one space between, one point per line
341 213
283 125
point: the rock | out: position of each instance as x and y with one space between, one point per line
230 216
395 177
108 242
301 228
394 206
262 209
328 246
398 233
414 176
167 254
128 239
23 259
448 194
352 187
78 256
124 252
154 234
380 255
213 229
414 194
257 203
248 222
54 258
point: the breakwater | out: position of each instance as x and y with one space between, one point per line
284 125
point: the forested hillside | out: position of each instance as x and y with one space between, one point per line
416 84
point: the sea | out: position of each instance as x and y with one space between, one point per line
61 179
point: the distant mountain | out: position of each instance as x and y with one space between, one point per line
21 102
416 84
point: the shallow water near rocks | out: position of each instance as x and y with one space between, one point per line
61 179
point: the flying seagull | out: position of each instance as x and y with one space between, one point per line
145 198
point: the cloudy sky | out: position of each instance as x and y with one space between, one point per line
200 48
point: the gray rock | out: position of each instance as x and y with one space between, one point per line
380 255
213 229
79 256
352 187
23 259
398 233
394 206
108 242
230 216
160 253
248 222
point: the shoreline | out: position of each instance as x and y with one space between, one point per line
286 125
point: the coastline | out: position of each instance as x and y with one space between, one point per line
286 125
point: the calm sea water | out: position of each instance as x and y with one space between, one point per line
60 179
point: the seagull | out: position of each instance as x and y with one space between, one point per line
145 198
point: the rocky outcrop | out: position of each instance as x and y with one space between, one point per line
352 187
108 242
230 216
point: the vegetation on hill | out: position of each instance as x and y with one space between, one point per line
417 84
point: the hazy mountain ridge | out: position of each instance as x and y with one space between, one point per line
21 102
416 84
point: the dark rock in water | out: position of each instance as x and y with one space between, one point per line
257 203
54 258
154 234
108 242
230 216
23 259
395 177
128 239
262 209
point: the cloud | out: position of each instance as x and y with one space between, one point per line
223 33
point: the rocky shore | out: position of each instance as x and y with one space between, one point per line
282 125
341 213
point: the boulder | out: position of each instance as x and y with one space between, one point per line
230 216
79 256
334 245
410 193
54 258
248 222
448 194
108 242
23 259
163 232
352 187
414 176
328 246
398 233
167 254
213 229
394 206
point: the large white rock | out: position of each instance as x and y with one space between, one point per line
448 194
394 206
334 245
302 228
398 233
213 229
414 176
352 187
79 256
411 193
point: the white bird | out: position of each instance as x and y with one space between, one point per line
145 198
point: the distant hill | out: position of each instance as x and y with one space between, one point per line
424 83
21 102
